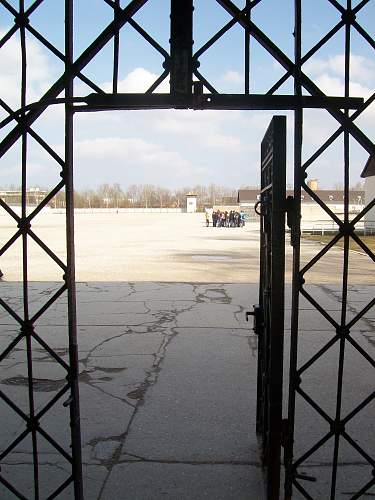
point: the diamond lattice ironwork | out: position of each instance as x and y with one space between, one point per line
190 87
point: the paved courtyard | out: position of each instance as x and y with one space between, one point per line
168 363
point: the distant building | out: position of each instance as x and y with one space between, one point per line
191 203
310 210
229 201
248 197
369 175
14 197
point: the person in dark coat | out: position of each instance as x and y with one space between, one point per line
214 218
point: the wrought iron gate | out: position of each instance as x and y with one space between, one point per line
269 314
182 65
36 433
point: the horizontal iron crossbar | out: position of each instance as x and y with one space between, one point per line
101 102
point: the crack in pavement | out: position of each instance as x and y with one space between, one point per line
163 322
192 462
85 378
214 296
349 307
151 379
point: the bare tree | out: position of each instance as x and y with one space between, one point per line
358 186
132 195
145 195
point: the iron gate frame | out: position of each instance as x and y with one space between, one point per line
269 313
181 64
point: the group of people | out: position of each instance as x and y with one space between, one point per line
226 219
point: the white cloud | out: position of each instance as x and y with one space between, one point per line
330 85
329 74
38 173
40 71
9 171
138 81
127 152
362 69
132 160
334 86
195 123
112 148
169 147
234 77
224 142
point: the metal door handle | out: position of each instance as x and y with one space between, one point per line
256 208
258 319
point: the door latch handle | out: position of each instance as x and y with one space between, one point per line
249 313
258 319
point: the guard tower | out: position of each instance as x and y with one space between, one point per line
191 203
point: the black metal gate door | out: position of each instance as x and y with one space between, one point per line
269 317
41 425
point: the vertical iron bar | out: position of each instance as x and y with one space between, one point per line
296 278
181 42
262 284
116 48
23 163
26 326
70 274
346 111
247 48
345 271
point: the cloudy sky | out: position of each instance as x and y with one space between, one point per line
179 148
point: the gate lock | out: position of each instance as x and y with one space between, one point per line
258 319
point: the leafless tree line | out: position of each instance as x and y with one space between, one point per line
145 196
150 196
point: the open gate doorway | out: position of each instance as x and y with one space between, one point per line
181 65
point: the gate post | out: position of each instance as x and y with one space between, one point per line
295 242
70 255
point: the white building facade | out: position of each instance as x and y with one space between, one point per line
369 175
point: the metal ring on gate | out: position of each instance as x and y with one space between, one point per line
256 206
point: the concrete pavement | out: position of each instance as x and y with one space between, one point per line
168 390
168 381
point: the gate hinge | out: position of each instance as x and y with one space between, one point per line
290 209
284 432
68 402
